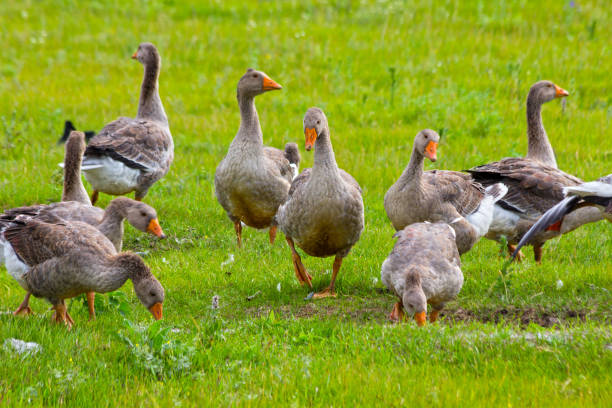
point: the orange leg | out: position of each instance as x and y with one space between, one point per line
300 272
61 315
537 254
94 197
272 233
397 314
519 256
91 296
24 307
433 316
238 229
329 291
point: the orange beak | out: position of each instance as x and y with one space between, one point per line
560 92
431 151
156 311
311 137
421 318
270 85
155 229
135 55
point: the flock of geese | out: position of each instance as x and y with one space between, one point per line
61 250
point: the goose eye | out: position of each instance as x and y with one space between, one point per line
426 137
152 293
318 122
144 214
254 75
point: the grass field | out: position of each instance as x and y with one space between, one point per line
382 71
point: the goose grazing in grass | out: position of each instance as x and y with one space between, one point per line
131 154
596 194
252 180
423 267
69 127
323 214
77 207
534 183
446 196
57 260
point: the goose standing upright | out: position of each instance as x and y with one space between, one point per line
74 190
446 196
323 214
534 182
423 267
58 260
131 154
252 180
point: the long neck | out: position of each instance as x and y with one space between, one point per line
112 221
150 105
73 184
324 159
413 173
249 132
538 145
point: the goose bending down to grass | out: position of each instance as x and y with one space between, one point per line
423 267
323 214
131 154
77 207
57 260
596 194
445 196
252 180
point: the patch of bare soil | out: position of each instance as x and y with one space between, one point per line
361 310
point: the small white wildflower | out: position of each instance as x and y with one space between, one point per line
215 302
278 287
559 284
228 261
21 347
374 280
164 260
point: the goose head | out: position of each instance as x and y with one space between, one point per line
413 298
545 91
148 289
144 218
315 123
146 54
426 143
255 82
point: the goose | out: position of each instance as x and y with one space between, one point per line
323 214
79 208
596 194
252 180
436 195
423 267
57 260
69 127
131 154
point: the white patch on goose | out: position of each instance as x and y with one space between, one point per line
456 220
295 170
482 217
110 175
597 188
14 266
504 221
452 229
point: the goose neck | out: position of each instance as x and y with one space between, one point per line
538 145
413 173
250 130
73 184
150 104
324 159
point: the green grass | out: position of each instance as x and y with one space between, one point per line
461 68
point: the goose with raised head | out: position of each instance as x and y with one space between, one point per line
57 260
596 194
439 195
423 267
131 154
323 214
252 180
